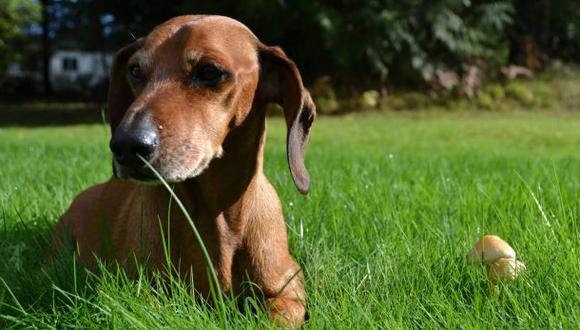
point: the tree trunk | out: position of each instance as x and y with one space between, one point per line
547 17
46 51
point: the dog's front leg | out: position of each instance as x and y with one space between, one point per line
273 269
281 281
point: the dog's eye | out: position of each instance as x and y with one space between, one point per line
135 72
209 74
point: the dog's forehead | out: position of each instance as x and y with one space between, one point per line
204 34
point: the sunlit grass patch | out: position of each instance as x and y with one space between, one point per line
396 203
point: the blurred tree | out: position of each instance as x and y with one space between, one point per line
360 44
16 16
408 41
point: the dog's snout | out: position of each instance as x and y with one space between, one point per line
127 143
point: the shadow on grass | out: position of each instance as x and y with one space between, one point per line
29 278
44 288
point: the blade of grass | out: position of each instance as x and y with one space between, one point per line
211 267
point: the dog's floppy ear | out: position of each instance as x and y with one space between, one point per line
120 95
281 83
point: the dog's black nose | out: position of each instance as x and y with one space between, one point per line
127 143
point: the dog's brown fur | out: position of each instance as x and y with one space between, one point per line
211 149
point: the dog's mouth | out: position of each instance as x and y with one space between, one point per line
140 174
144 174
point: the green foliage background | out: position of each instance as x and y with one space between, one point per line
15 16
360 44
372 41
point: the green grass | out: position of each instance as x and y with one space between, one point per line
396 203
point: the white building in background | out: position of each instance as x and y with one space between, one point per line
70 71
78 71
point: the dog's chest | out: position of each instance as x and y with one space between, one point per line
161 235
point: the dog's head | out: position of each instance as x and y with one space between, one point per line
175 95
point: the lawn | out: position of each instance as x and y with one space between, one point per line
396 202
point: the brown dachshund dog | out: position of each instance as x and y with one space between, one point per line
192 98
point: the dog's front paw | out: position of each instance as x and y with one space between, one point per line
287 312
